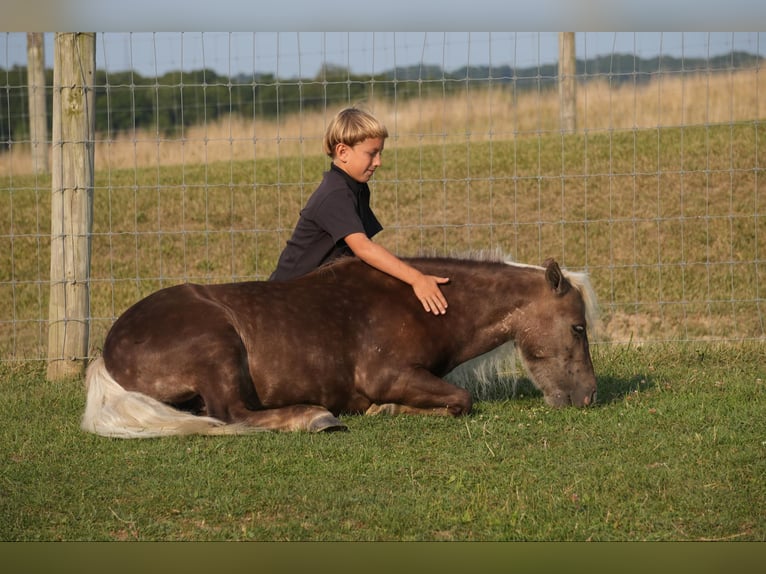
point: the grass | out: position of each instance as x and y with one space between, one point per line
675 450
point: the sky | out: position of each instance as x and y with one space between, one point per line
302 53
402 15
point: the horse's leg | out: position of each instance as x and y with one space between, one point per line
229 393
396 409
309 418
234 400
419 392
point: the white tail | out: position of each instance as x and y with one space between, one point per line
112 411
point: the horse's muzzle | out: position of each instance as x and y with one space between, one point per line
584 400
575 399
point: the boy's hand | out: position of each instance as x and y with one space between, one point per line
426 287
430 295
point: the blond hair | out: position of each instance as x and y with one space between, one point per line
351 126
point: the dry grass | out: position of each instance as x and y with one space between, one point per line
478 115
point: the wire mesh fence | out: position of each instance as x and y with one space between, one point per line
207 146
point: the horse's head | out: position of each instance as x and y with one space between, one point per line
553 339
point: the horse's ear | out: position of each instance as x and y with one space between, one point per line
555 277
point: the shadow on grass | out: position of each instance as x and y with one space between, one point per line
610 389
614 389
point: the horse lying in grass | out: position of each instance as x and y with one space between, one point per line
294 355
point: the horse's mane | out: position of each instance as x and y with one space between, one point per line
581 281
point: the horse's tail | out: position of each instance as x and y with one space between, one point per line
113 411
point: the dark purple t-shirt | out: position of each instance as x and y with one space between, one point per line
339 207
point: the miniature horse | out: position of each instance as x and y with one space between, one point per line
346 338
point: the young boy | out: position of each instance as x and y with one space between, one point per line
337 218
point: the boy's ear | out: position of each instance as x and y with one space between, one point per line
341 151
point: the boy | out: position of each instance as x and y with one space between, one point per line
337 218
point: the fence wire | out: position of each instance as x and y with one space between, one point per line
208 144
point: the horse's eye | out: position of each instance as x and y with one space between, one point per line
578 330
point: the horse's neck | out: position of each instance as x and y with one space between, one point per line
494 306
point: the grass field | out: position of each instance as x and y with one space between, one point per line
675 450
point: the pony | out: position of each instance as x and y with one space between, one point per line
346 338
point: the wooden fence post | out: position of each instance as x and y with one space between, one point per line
71 203
38 118
567 82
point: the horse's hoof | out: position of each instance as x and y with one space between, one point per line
326 423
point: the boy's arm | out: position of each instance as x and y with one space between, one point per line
426 287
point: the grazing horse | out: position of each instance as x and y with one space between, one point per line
346 338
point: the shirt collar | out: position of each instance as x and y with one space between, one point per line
356 186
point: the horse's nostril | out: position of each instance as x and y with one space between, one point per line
588 400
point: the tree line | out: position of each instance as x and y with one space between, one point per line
128 100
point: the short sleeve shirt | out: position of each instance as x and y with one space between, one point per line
339 207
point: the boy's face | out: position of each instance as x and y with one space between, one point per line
361 160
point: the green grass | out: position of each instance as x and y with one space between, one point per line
674 450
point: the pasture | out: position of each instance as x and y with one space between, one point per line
674 450
669 223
